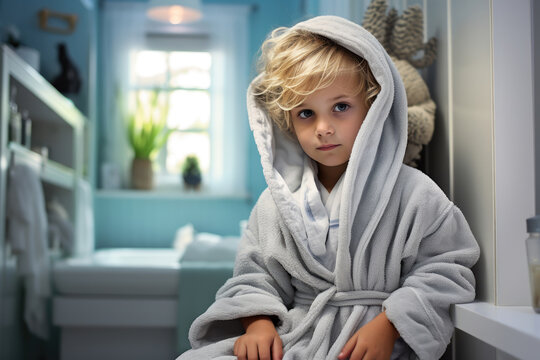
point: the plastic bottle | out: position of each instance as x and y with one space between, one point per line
26 129
15 121
533 256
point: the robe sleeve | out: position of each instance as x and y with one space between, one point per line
259 286
439 276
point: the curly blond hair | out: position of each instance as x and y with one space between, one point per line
296 63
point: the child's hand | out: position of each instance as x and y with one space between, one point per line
375 340
260 342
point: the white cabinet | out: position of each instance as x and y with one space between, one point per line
58 130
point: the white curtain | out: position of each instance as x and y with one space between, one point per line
229 85
125 27
123 30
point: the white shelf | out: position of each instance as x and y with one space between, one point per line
49 171
178 193
512 329
38 94
56 124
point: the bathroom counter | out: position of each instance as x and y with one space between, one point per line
512 329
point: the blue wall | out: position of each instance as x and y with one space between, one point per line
146 220
151 221
134 219
24 15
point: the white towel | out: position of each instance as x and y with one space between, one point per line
320 213
211 248
84 235
332 204
60 226
27 234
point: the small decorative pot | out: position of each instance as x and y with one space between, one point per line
192 181
142 176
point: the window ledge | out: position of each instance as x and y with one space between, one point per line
170 194
512 329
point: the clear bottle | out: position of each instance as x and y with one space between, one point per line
26 129
533 256
15 121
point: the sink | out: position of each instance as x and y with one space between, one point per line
119 271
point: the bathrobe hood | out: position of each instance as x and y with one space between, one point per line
375 161
403 246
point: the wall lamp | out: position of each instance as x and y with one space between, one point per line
174 11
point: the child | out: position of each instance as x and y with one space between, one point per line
348 253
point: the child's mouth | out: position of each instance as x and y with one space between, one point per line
327 147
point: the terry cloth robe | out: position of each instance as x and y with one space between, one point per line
402 247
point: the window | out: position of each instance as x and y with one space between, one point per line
201 69
183 80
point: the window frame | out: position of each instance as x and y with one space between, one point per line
125 26
163 178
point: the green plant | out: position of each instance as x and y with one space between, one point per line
191 166
147 126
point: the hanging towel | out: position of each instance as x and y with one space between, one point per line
27 235
60 228
84 234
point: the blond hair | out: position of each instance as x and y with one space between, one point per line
297 63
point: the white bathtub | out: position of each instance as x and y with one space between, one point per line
117 304
123 303
122 271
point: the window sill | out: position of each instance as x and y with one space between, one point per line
203 194
512 329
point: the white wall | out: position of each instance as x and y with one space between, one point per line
514 146
482 152
473 167
460 154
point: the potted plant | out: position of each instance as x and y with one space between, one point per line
191 172
147 133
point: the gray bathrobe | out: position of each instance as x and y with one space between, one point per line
402 246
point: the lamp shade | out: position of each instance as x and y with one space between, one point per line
174 11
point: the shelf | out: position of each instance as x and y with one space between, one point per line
48 170
177 193
512 329
37 94
56 125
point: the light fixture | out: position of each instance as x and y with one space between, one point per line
174 11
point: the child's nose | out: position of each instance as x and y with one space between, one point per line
324 127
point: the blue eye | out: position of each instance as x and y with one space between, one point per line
304 114
341 107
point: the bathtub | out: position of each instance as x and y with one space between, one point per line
117 304
122 271
120 303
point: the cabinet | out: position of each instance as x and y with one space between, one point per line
58 127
